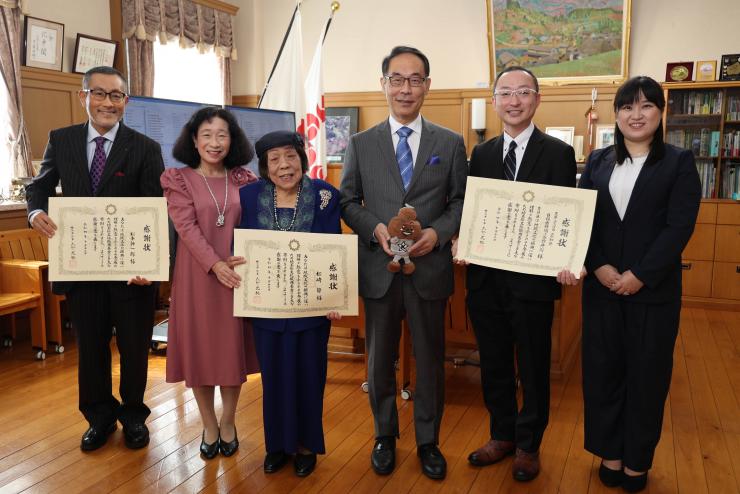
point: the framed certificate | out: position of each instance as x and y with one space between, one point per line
93 52
525 227
43 43
729 69
706 70
565 134
109 239
295 274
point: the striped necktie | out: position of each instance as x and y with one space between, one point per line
510 162
98 163
403 156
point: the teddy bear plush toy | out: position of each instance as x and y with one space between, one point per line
404 231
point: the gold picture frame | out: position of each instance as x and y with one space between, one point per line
556 48
43 43
706 70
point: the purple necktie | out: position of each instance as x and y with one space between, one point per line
98 163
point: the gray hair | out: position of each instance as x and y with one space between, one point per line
106 71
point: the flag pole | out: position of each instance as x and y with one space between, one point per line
280 51
334 7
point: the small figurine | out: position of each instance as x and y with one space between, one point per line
404 231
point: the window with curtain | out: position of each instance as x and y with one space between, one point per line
6 167
187 74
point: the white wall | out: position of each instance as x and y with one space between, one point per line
451 33
453 36
91 17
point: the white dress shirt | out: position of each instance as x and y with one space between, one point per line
623 181
521 145
413 139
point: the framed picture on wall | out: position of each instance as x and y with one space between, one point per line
42 43
561 42
604 136
565 134
93 52
341 123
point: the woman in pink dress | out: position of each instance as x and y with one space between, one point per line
207 345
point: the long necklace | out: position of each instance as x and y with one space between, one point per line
220 219
275 208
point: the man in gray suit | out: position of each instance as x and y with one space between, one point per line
405 160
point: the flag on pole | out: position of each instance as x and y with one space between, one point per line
285 90
314 129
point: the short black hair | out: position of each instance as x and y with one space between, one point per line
240 151
517 68
262 163
400 50
629 93
105 71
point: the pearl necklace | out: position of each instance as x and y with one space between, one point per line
220 219
275 208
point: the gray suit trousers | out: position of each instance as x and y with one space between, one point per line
425 320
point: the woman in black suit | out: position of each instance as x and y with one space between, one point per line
648 199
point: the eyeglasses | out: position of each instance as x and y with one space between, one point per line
398 80
100 95
524 93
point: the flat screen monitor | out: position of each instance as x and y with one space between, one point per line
163 119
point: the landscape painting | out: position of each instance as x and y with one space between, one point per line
563 40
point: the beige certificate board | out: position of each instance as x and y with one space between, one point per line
524 227
295 274
109 239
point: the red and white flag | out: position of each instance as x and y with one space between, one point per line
314 129
285 90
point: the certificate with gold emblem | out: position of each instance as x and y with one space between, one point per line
524 227
295 274
109 239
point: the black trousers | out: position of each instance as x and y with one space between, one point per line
95 308
293 367
506 326
627 366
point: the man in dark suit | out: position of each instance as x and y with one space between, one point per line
512 312
405 160
104 158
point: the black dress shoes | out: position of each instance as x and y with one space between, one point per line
609 477
383 457
94 437
136 435
228 449
208 451
275 461
304 464
634 483
433 463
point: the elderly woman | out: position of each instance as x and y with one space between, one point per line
207 345
647 203
291 352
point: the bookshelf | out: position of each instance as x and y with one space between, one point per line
705 118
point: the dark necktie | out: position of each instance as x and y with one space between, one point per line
510 162
403 156
98 163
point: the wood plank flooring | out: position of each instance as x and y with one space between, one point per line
40 430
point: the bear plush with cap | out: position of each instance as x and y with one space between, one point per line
404 230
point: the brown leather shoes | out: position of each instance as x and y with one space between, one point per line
491 452
526 466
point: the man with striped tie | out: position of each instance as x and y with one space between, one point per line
512 312
405 159
104 158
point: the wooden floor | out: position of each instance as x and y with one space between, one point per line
40 430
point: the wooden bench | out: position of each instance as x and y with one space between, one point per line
27 247
22 288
